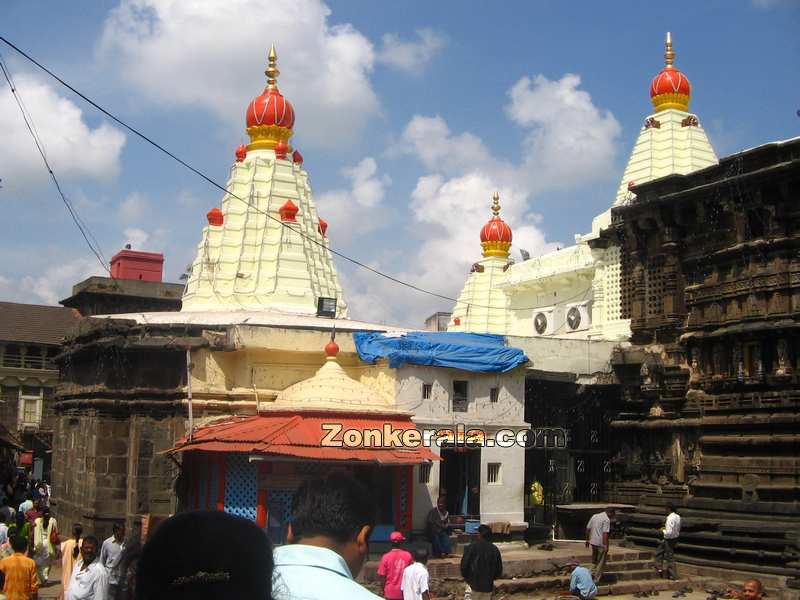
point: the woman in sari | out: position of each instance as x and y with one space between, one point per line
45 532
70 554
5 548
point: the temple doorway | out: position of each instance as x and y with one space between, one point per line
460 480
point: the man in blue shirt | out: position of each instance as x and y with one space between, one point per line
328 541
581 583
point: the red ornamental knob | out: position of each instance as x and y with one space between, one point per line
241 153
215 217
297 158
331 348
288 211
323 226
281 148
457 321
631 184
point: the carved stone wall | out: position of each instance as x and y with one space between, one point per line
710 387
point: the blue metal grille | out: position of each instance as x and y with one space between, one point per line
240 487
279 511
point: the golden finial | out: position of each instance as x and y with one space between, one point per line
272 71
496 204
669 55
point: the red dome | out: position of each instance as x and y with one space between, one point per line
297 157
331 348
670 81
241 153
270 108
323 226
288 211
281 148
215 217
496 230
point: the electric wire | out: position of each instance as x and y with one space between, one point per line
30 125
217 185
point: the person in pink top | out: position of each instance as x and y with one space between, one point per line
392 565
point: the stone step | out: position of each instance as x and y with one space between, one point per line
560 583
616 576
628 565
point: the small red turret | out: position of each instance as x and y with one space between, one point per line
215 217
288 211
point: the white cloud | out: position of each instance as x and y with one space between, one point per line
411 56
136 237
134 208
570 140
55 282
359 209
569 144
139 239
73 148
212 54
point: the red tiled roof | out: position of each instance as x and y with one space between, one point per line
301 436
35 324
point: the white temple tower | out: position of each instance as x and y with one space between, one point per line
265 248
481 306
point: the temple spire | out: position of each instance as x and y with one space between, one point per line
272 71
669 54
496 204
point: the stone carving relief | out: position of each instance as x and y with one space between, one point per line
718 360
783 363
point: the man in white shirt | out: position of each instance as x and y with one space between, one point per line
89 580
597 530
415 578
666 549
110 555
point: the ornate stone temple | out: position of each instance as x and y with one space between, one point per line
711 399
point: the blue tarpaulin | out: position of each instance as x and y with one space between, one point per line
481 352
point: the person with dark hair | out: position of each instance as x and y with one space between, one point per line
751 590
110 555
581 582
328 537
597 531
20 579
45 544
70 551
436 526
392 565
3 529
6 548
89 579
205 555
666 548
415 577
481 565
7 512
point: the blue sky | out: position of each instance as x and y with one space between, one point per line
409 114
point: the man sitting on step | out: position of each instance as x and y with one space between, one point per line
581 584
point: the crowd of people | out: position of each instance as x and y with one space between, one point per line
212 554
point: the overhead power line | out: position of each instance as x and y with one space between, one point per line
92 243
217 185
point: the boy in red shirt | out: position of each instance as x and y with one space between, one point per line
392 565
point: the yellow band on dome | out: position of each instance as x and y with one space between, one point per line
266 137
496 248
671 100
